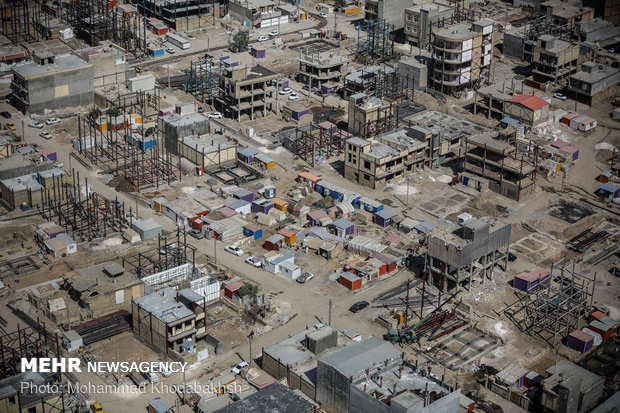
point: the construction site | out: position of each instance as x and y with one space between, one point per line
310 207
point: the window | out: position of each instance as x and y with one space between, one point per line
408 17
367 177
416 19
349 158
366 164
32 409
12 400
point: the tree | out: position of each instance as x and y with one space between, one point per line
113 111
248 289
340 4
240 41
94 113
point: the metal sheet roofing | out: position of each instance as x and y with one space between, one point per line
529 101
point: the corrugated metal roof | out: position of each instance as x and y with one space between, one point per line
529 101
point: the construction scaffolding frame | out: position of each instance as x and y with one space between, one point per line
387 120
115 149
313 142
18 18
85 216
375 41
199 80
383 84
97 20
170 252
28 342
554 309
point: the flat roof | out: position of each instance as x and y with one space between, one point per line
207 143
360 356
458 31
276 398
596 75
61 63
164 306
22 183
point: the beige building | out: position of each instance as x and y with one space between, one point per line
420 18
462 56
208 151
366 112
566 14
319 68
14 400
374 163
594 84
162 321
554 60
243 91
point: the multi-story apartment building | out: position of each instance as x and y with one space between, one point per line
365 112
554 60
245 91
461 56
320 68
594 83
420 18
390 11
375 162
258 13
52 82
566 14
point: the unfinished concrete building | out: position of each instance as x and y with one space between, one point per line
162 321
208 151
109 63
184 14
594 84
554 60
462 56
372 376
370 115
377 161
243 91
571 388
445 135
508 170
52 82
316 69
460 255
565 13
389 12
257 13
174 127
421 17
606 9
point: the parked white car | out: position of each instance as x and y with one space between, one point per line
35 124
253 261
322 15
52 121
286 91
234 250
262 38
239 367
45 135
559 96
274 33
293 96
216 115
171 50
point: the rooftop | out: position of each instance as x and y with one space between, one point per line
208 143
61 63
164 306
323 59
565 369
368 353
457 32
529 101
276 398
22 183
596 74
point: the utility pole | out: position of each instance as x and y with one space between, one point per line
329 318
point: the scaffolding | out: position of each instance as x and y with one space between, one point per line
84 216
29 342
116 148
555 308
18 20
375 41
199 80
313 143
170 252
382 83
97 20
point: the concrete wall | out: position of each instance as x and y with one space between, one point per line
105 302
142 322
172 132
514 45
361 402
392 11
332 390
71 88
416 71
